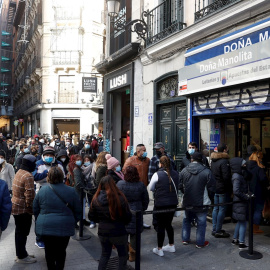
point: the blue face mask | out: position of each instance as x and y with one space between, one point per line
191 151
26 150
87 146
48 159
87 163
118 168
79 163
144 155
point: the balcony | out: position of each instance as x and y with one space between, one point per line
204 8
66 58
68 97
164 20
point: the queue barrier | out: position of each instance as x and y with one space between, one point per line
247 254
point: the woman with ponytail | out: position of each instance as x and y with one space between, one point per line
164 183
110 209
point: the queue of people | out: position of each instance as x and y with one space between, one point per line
49 179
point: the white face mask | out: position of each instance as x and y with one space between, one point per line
63 159
42 140
2 160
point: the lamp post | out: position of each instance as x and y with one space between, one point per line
139 26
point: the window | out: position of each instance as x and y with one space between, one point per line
67 92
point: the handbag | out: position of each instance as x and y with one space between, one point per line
57 194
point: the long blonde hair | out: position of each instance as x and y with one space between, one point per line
257 156
101 160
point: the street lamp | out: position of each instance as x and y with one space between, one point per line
27 80
139 25
113 7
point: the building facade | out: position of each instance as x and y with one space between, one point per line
175 98
57 89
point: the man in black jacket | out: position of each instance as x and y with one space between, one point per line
192 148
198 186
220 168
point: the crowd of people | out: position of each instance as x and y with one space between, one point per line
44 178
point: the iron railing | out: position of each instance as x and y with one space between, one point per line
205 8
164 20
69 97
66 58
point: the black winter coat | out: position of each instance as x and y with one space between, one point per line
240 190
259 182
165 194
115 177
187 159
99 213
220 168
198 185
138 199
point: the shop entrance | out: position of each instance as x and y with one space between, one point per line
238 133
120 125
67 127
171 129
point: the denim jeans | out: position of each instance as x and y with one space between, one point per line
219 212
200 218
257 216
240 231
120 242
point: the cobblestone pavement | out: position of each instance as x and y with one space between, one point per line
219 255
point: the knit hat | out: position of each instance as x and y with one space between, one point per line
49 150
251 149
112 162
36 136
3 153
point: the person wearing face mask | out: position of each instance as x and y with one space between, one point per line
11 152
40 175
36 141
192 148
141 162
23 151
114 168
63 158
7 172
22 201
58 146
77 177
87 150
154 162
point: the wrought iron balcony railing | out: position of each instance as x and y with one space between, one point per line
204 8
68 97
164 20
66 58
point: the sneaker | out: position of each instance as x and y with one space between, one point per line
92 225
235 242
242 246
146 226
39 245
169 248
222 234
186 243
26 260
159 252
213 233
206 244
31 256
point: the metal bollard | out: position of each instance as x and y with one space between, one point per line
250 253
80 236
138 240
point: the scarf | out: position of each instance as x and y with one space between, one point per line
120 174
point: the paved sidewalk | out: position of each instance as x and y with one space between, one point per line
219 255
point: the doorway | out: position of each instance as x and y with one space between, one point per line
67 127
172 130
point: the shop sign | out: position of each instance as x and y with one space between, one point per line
238 61
16 122
214 136
89 84
21 120
119 81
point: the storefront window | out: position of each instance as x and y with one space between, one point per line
167 88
